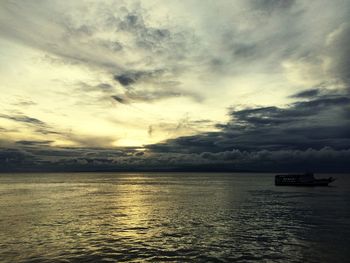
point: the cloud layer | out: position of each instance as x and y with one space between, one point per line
310 135
154 85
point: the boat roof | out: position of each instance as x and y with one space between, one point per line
294 175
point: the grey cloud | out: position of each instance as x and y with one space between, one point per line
48 130
129 78
324 159
161 87
25 103
126 79
160 94
105 44
153 95
60 37
81 42
37 125
89 141
273 32
139 153
40 156
103 87
34 143
339 49
113 46
245 50
317 123
307 93
255 45
154 39
120 99
297 111
312 134
272 5
16 159
259 40
23 118
150 130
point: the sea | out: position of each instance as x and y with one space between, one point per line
171 217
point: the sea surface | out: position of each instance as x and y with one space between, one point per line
171 217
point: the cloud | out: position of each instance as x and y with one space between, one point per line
23 119
16 159
34 143
126 79
25 103
132 96
295 112
150 130
103 87
282 65
306 93
311 134
338 48
272 5
130 78
41 156
119 99
324 159
320 122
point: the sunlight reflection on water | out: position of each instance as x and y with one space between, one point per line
176 217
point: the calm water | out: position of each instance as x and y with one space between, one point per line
173 217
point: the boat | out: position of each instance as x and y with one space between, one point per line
305 179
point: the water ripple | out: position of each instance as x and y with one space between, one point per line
170 218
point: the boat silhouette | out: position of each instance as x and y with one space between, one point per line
305 179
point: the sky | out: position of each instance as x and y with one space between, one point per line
236 85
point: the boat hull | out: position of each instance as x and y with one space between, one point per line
301 180
303 184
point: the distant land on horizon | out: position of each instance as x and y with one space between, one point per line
186 169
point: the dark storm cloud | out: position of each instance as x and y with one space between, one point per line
311 134
321 122
41 156
189 144
16 160
322 160
298 111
